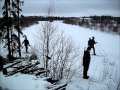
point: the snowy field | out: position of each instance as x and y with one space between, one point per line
103 71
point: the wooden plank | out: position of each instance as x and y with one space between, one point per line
22 69
63 88
41 72
47 79
12 64
59 87
19 70
33 70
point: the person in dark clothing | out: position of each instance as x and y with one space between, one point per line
86 62
26 43
91 43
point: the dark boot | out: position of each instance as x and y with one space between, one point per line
85 77
94 54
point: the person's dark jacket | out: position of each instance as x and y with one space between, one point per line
92 42
86 58
89 42
26 42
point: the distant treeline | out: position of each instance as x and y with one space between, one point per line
102 23
103 18
29 20
46 18
26 21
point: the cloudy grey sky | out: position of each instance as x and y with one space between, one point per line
72 7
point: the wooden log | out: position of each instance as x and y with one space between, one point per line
12 64
19 70
54 81
22 69
33 70
59 87
41 72
5 72
47 79
63 88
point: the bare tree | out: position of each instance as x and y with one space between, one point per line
60 49
53 44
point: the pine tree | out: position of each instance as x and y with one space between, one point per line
16 14
7 24
11 17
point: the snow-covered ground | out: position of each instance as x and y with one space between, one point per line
104 68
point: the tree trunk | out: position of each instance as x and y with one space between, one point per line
19 44
8 37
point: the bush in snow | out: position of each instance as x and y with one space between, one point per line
61 49
33 56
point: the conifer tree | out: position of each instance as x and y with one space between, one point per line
11 18
6 24
16 14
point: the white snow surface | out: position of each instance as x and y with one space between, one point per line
22 82
103 71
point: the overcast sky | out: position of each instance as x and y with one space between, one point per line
72 7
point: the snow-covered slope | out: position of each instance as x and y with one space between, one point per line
104 68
